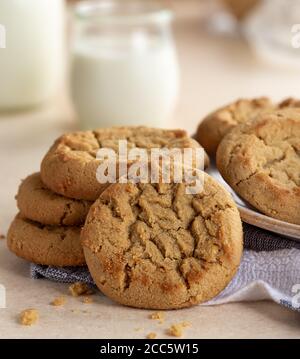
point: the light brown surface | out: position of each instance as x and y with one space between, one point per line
207 62
36 202
261 161
105 319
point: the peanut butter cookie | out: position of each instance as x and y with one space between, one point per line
69 168
37 243
36 202
260 160
154 246
289 102
217 124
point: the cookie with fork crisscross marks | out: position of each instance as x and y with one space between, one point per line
156 246
260 160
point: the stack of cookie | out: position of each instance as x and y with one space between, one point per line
147 245
53 204
156 245
47 229
257 148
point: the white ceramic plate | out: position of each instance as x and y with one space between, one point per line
252 216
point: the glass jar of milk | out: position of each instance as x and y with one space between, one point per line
31 61
125 69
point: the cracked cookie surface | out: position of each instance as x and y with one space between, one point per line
260 160
69 168
154 246
217 124
46 245
36 202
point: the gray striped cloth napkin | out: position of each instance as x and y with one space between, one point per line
270 270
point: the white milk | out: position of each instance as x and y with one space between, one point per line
31 63
117 83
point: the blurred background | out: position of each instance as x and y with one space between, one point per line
71 65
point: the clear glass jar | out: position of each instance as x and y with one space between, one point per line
32 64
124 69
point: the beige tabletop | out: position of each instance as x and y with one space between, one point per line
215 70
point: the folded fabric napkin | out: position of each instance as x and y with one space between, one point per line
270 269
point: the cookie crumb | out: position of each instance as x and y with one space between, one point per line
138 329
75 311
2 236
78 288
160 316
151 335
186 324
59 301
176 330
29 316
87 300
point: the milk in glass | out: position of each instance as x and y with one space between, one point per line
31 62
124 70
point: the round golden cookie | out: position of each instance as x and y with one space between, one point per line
289 102
260 160
37 243
216 125
154 246
36 202
69 168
